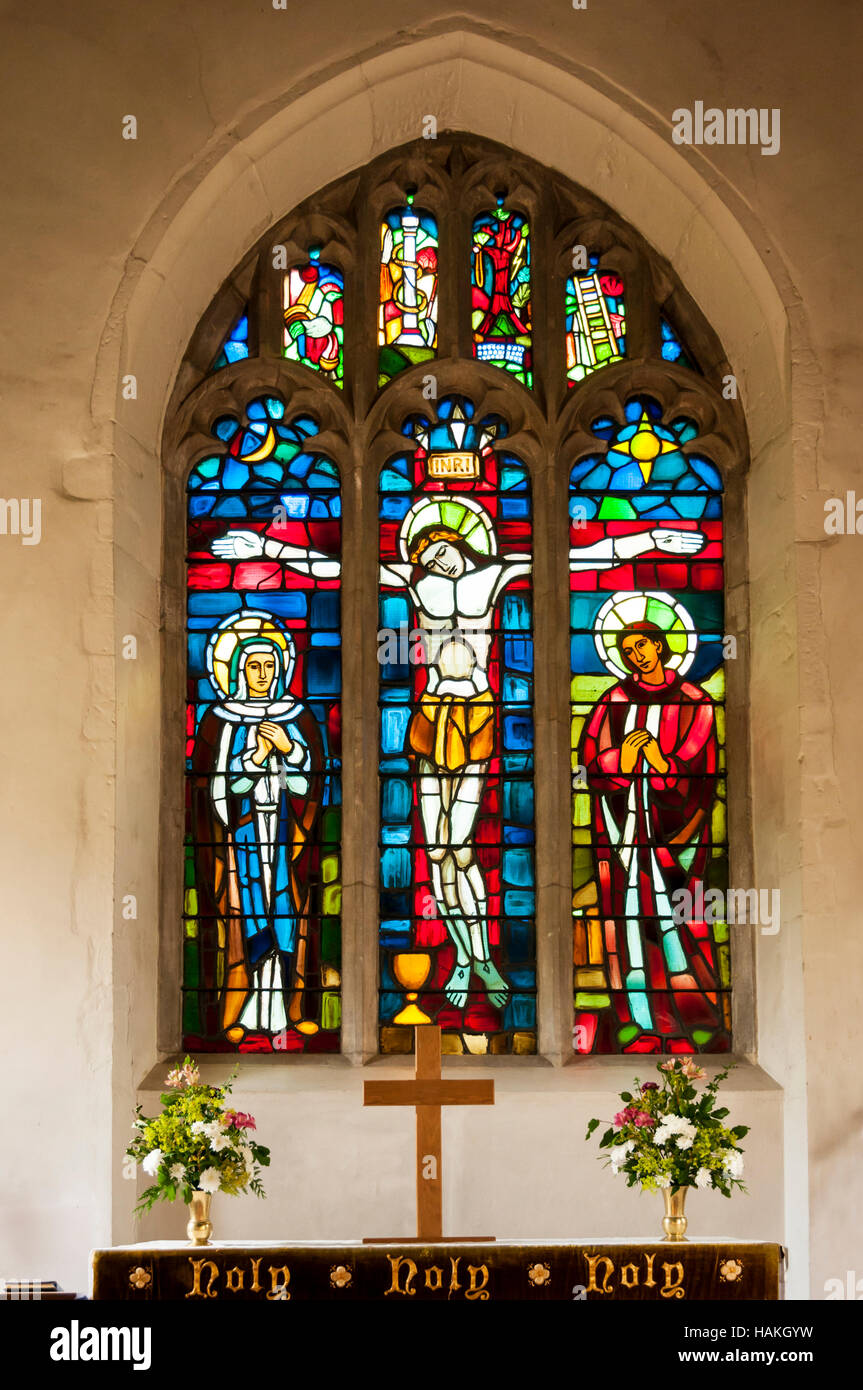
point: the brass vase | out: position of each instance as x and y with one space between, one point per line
200 1227
674 1221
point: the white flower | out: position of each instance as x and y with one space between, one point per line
215 1132
247 1156
210 1180
733 1163
151 1162
178 1172
198 1126
675 1126
684 1143
663 1180
619 1154
703 1178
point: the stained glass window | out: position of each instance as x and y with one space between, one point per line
457 876
407 317
313 300
454 932
652 964
500 292
263 799
672 347
236 345
595 322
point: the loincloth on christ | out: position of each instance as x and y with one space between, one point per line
453 730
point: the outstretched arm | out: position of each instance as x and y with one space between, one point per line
250 545
513 567
396 575
616 549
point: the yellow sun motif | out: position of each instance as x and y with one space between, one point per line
645 446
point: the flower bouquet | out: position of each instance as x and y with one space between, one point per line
196 1147
669 1137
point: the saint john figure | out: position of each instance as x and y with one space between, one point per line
256 757
651 756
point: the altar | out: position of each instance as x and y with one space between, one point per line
408 1272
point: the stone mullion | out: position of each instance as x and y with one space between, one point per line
553 852
359 645
546 329
354 775
451 314
461 242
364 637
269 320
643 336
361 308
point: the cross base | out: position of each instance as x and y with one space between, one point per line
427 1093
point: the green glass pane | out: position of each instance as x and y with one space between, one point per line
616 509
332 903
331 941
592 1001
331 1011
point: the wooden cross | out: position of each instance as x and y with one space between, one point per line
428 1092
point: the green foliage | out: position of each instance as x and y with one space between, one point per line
196 1140
669 1136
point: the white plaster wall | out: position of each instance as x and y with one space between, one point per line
519 1168
112 251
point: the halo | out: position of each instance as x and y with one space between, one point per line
233 633
640 606
469 520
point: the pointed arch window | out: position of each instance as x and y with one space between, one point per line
483 809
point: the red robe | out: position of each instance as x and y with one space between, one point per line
662 971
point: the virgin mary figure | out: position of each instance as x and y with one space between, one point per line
256 754
650 752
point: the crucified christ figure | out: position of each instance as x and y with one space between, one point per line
454 587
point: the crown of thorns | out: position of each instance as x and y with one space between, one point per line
437 533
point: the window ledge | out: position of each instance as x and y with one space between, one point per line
582 1076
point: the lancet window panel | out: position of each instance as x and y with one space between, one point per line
408 311
457 875
262 901
313 312
652 965
501 292
595 322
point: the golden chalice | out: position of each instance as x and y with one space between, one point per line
411 969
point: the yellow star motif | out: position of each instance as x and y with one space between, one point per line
645 446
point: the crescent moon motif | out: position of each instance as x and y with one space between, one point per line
264 451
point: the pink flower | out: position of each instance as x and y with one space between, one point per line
632 1115
181 1077
692 1072
668 1066
239 1119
